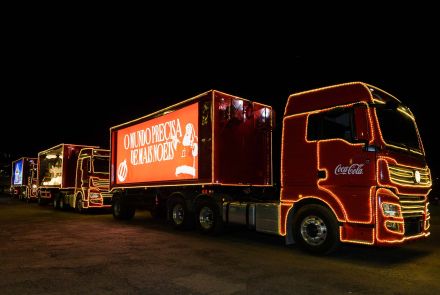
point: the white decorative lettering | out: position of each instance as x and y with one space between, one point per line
354 169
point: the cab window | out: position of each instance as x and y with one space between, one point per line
332 124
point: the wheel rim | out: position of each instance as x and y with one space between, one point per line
206 218
178 214
55 203
313 230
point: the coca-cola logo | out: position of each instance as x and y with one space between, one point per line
122 171
353 169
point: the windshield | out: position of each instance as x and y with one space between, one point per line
398 128
100 164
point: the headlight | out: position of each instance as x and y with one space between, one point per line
391 210
94 195
393 226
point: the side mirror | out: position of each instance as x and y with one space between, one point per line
362 124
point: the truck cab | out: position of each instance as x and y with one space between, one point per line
353 169
75 176
24 179
92 180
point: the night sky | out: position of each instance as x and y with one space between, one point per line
77 91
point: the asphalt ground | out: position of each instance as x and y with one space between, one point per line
43 251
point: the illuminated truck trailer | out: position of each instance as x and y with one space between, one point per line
24 179
352 167
75 176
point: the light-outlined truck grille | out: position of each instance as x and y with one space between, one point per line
413 209
407 176
101 183
412 206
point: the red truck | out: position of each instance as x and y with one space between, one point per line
75 176
352 167
24 179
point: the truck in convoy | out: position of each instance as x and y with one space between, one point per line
352 167
24 179
75 176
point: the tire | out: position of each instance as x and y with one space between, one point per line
62 204
178 214
208 218
79 205
121 210
316 229
40 201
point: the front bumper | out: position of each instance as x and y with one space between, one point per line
411 222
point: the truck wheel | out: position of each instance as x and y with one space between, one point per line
178 214
79 206
208 218
121 211
40 201
62 204
315 228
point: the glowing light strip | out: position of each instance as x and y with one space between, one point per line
370 122
356 241
395 146
405 171
67 144
394 241
311 141
160 111
370 220
328 204
401 173
212 136
341 106
427 223
161 185
401 229
84 154
61 146
375 100
387 161
405 113
377 88
425 196
244 99
284 203
323 89
400 181
318 161
28 185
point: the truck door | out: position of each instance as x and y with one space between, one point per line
345 170
82 175
86 170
